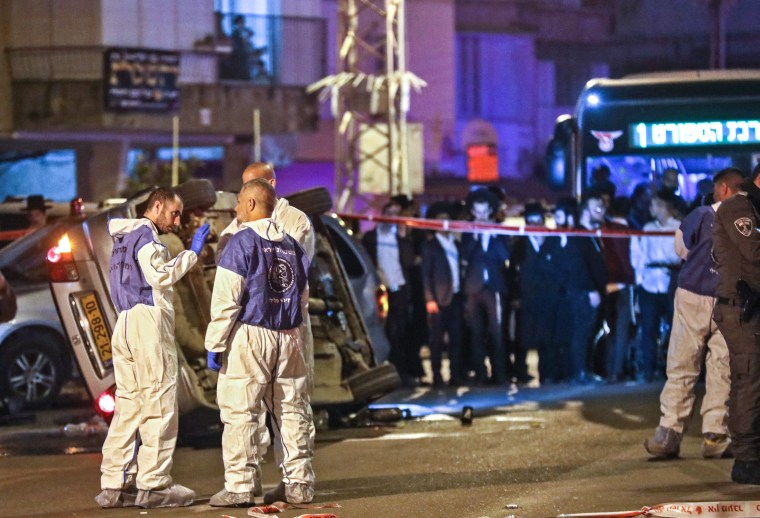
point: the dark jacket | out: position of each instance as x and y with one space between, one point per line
436 272
584 266
736 242
617 254
476 261
405 251
530 270
698 273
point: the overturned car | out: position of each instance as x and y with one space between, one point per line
346 302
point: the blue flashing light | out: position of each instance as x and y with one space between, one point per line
593 100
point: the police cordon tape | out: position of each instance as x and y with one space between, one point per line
12 235
497 228
748 509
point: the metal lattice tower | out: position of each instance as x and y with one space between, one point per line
370 93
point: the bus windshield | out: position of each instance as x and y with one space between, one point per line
638 127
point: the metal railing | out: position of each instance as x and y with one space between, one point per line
277 50
266 50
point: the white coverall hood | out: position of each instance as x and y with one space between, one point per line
293 222
266 228
120 226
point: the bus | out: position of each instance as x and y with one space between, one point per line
696 122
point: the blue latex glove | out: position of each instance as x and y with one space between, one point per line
214 361
199 239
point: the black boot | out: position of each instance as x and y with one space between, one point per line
746 472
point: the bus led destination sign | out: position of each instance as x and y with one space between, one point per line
670 134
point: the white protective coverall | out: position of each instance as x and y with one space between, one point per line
144 356
297 225
255 318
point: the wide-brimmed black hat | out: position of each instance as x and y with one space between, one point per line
533 208
36 202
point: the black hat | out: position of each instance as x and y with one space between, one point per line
36 202
437 208
482 195
533 208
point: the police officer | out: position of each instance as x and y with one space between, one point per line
736 242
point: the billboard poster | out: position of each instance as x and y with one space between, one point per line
141 79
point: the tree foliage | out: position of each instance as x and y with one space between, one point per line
151 173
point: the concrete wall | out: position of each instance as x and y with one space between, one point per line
167 24
47 23
504 93
307 8
431 41
161 24
652 18
6 103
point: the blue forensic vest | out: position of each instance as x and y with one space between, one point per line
274 273
128 284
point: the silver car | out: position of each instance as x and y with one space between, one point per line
350 346
35 358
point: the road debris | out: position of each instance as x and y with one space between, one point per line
466 417
260 511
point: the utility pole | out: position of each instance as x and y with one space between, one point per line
718 10
370 94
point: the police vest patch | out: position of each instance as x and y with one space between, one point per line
280 276
744 226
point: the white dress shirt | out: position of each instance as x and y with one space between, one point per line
657 250
388 258
452 256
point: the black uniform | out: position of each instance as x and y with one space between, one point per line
736 248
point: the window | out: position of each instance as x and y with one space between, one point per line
347 253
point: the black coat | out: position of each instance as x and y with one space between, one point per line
436 272
532 272
475 261
583 265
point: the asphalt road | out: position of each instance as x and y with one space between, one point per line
534 453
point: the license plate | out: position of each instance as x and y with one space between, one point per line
98 326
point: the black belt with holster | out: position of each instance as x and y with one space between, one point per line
748 300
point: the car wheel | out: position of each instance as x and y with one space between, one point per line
196 193
31 370
311 201
374 383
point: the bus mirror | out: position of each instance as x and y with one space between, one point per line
565 127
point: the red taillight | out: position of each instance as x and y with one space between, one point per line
105 405
61 266
381 298
76 207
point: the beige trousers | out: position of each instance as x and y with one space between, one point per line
264 369
695 336
145 367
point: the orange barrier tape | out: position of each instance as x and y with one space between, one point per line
12 235
748 509
497 228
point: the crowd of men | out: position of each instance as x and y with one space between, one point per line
552 294
595 309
